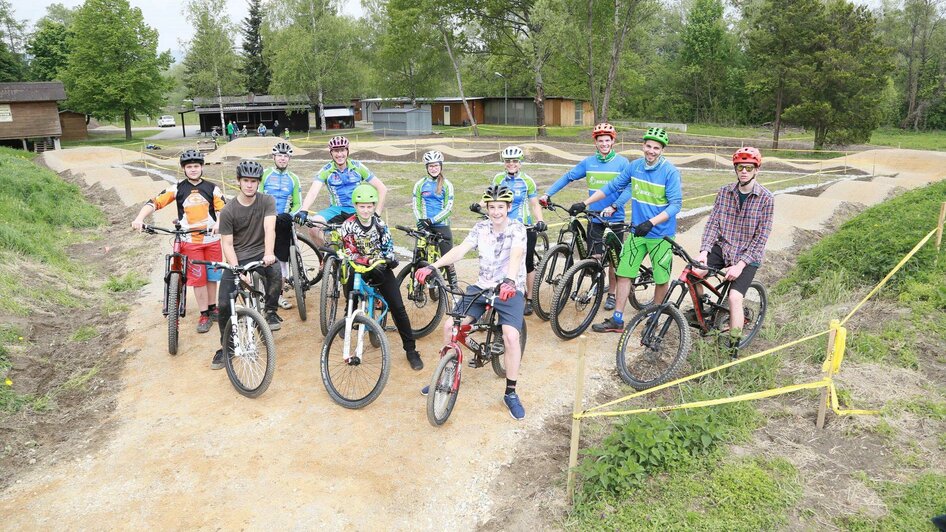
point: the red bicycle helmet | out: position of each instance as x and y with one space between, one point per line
604 128
337 142
747 154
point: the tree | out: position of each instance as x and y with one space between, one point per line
59 13
782 36
704 61
841 98
309 47
10 67
211 67
13 30
48 46
255 71
410 56
114 68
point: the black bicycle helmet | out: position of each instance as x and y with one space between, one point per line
282 148
250 169
498 193
191 156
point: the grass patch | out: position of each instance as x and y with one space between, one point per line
129 282
116 139
742 495
909 506
915 140
84 333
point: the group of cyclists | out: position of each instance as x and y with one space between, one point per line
258 225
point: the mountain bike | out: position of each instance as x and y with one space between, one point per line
445 382
425 305
356 359
578 293
249 353
331 289
573 245
175 279
305 268
655 342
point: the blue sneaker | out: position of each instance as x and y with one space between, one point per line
425 390
514 406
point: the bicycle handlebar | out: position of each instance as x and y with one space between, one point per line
237 270
421 233
682 253
153 230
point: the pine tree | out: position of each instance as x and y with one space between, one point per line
255 71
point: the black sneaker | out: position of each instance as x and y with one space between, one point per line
272 319
528 310
217 362
608 325
610 302
414 358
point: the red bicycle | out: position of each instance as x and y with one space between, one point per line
445 382
175 279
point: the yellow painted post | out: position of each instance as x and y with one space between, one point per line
576 422
827 369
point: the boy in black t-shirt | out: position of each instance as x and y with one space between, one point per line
248 233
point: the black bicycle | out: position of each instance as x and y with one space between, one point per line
249 353
425 304
175 279
656 341
305 267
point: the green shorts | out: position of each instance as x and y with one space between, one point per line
634 251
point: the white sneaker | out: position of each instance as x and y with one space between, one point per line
284 303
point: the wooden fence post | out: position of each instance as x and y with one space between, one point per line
939 228
828 365
576 422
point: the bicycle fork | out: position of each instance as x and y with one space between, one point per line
353 359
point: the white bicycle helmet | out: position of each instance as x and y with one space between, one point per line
433 157
282 148
512 152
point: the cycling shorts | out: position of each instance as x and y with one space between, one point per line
634 251
336 214
197 274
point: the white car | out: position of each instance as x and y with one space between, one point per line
166 121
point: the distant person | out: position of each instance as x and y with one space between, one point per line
276 129
243 132
261 130
230 131
735 236
340 177
285 134
199 203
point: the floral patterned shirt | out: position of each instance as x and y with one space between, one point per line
495 251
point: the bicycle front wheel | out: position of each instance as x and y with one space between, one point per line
298 280
653 347
577 299
755 303
642 289
250 353
330 294
174 311
354 371
547 276
444 388
424 311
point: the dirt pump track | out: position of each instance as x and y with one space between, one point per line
186 451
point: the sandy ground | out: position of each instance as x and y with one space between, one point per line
187 451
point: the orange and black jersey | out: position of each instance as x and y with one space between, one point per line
197 207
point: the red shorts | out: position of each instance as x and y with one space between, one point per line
197 273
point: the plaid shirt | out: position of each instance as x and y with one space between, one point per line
740 232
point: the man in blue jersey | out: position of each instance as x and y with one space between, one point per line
286 188
340 176
656 198
598 170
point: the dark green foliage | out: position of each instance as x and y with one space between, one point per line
50 50
255 70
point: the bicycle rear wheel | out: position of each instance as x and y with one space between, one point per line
541 245
444 388
330 294
298 280
424 311
311 260
547 276
174 311
755 303
577 299
250 353
498 360
652 354
642 289
356 376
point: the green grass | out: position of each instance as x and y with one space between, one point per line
909 505
116 139
129 282
916 140
84 333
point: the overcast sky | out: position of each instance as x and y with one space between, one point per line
162 15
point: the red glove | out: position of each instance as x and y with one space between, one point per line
507 289
422 274
544 201
362 260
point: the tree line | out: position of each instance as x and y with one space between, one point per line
837 68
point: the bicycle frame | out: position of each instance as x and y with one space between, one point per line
367 297
691 281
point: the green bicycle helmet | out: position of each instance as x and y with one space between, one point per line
364 193
658 134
